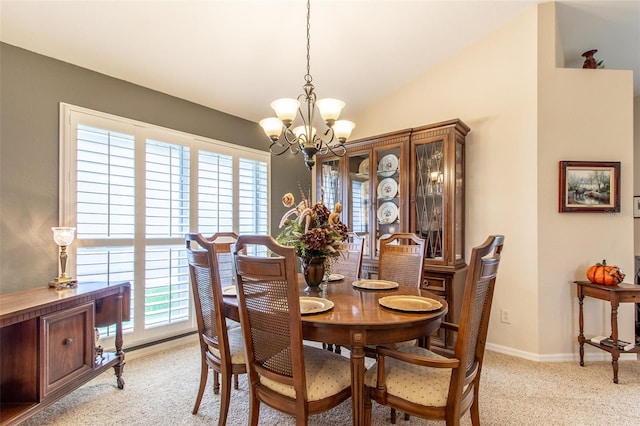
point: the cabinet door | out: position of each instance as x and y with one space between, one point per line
429 170
389 201
330 183
358 208
67 345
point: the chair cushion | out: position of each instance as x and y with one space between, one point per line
421 385
236 346
327 374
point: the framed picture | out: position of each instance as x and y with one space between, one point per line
636 206
590 186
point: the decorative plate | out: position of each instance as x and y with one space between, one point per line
229 290
375 284
336 277
387 188
363 168
388 163
387 213
410 303
314 305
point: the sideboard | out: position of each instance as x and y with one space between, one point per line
48 345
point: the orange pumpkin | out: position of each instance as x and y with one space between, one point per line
601 273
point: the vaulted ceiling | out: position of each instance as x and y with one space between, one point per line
237 56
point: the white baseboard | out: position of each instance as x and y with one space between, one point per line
161 347
595 355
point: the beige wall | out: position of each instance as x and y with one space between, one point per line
525 116
492 87
636 170
583 115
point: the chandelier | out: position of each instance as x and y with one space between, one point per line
304 138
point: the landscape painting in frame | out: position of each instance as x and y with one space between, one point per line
589 186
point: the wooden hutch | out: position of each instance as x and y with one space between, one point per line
406 181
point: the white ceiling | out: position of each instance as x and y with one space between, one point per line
237 56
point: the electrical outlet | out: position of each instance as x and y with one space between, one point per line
505 316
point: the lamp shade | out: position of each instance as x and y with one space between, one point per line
330 108
343 129
63 236
302 130
286 109
271 126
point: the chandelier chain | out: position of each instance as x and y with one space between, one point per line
307 77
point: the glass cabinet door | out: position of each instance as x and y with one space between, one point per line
387 193
330 186
429 202
359 206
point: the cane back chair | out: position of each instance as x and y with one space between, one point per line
425 384
221 348
283 373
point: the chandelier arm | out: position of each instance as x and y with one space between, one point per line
292 141
277 148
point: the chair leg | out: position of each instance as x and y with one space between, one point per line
475 407
254 409
406 417
235 381
225 398
393 416
216 382
204 374
338 349
367 408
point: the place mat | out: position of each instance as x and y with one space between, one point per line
375 284
408 303
314 305
229 290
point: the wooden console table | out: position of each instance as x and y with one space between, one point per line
622 293
47 343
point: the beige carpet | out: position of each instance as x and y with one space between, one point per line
160 390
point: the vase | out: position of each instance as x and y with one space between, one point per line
313 270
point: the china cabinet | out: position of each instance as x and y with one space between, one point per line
410 180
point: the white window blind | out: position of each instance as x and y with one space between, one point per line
134 190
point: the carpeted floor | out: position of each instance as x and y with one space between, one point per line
160 390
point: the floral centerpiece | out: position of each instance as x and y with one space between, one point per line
315 232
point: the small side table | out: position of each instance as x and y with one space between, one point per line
622 293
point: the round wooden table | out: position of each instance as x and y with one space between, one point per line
358 320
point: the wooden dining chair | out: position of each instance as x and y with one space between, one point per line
223 242
221 348
401 259
349 262
424 384
284 373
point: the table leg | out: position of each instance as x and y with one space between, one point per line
581 325
357 378
615 354
119 341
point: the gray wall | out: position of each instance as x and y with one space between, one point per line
31 88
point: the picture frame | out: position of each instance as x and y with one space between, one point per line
636 206
589 186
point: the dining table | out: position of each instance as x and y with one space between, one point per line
355 318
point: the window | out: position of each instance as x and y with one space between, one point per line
134 190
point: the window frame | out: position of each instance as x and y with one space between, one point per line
70 116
